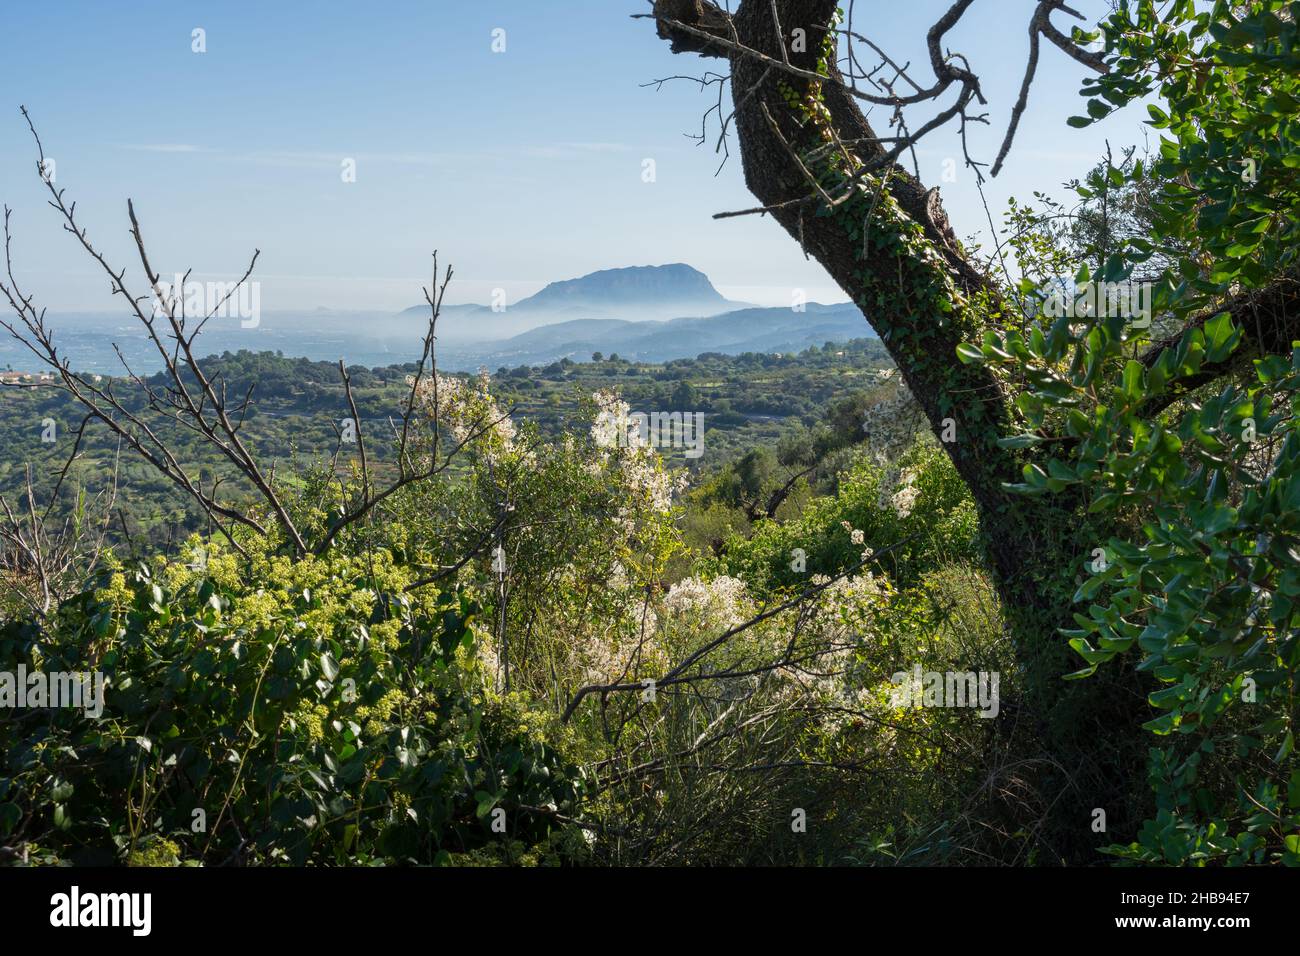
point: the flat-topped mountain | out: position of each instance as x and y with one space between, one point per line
674 287
647 313
633 293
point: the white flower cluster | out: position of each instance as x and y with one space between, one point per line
611 427
717 603
857 537
898 491
845 620
468 409
641 469
606 658
627 641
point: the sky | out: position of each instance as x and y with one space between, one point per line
520 165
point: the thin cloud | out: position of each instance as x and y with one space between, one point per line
164 148
573 150
304 159
316 160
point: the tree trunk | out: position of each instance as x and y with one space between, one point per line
892 251
893 282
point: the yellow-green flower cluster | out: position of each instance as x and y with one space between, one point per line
380 713
311 718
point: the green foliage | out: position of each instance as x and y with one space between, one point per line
747 400
1201 481
307 711
1230 76
919 507
393 700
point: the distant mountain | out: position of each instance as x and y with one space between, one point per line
650 313
634 293
676 288
745 330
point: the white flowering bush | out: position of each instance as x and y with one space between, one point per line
890 425
584 526
717 604
912 512
621 448
468 411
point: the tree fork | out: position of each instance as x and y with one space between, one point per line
891 279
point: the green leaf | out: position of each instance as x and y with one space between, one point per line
1220 337
1163 725
1132 383
10 814
328 666
1288 744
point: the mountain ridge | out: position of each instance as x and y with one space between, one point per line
744 330
636 293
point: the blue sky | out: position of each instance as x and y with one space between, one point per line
521 167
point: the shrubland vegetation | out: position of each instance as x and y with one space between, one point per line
748 401
479 636
380 701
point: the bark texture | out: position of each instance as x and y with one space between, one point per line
882 280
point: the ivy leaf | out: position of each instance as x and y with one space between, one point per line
1019 441
1132 386
328 666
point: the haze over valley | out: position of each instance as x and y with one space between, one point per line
641 313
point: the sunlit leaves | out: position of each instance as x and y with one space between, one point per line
1205 584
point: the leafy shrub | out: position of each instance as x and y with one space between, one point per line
1184 448
918 508
296 711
